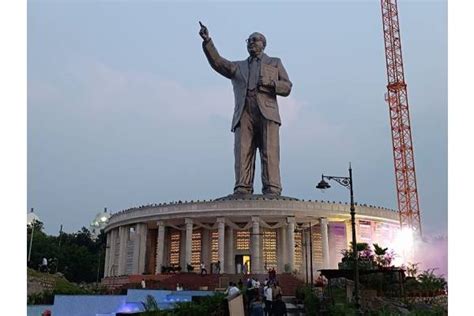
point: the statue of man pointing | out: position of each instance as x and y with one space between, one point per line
256 80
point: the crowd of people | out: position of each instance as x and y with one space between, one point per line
260 300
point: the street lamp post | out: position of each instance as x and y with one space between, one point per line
311 252
304 243
59 247
347 183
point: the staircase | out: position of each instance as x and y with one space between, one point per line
194 281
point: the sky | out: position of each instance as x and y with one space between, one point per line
124 109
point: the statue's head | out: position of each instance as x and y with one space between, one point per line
256 43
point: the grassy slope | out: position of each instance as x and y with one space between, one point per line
38 282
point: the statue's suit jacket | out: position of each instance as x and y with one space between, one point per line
238 72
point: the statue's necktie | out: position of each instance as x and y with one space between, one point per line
253 74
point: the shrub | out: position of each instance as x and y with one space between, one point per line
150 304
41 298
430 282
311 302
209 305
341 309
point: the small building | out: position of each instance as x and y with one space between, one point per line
31 217
99 222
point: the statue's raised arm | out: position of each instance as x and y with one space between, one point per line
217 62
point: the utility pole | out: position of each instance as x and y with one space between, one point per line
59 247
31 237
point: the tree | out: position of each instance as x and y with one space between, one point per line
364 254
43 246
368 259
383 257
79 257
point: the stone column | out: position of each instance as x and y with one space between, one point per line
206 249
182 250
255 251
143 240
324 241
221 240
229 256
112 270
290 242
282 245
107 254
160 246
348 233
189 241
136 250
124 232
139 248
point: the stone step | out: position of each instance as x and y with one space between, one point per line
194 281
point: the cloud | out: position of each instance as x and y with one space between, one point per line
96 89
290 109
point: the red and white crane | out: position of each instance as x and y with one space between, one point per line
397 98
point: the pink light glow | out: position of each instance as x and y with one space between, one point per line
432 253
429 252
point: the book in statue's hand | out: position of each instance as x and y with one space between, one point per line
270 73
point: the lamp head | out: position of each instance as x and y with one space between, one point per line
323 185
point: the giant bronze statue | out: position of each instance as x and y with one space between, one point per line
257 81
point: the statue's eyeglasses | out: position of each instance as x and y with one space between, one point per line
253 39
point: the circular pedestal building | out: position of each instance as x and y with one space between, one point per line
253 233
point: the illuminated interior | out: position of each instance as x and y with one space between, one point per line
298 250
196 250
175 240
214 247
243 240
270 249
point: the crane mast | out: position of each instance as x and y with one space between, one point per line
397 98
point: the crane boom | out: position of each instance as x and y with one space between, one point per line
397 98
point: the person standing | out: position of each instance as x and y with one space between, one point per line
267 292
203 268
257 80
232 291
256 306
276 290
143 284
44 265
279 307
